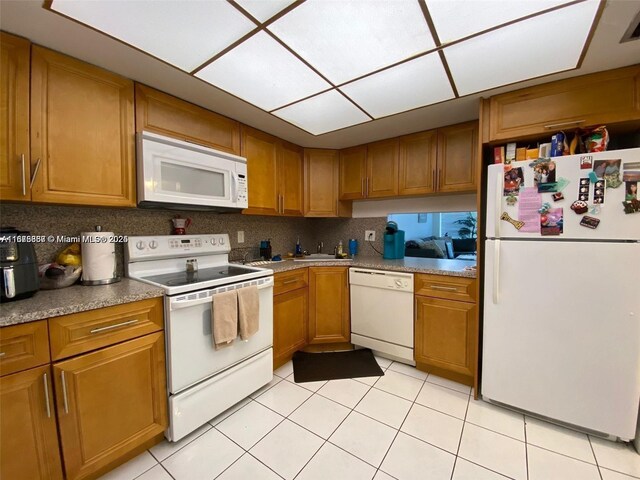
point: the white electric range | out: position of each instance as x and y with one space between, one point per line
202 382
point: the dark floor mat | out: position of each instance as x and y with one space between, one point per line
313 367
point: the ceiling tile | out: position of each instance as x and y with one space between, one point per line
539 46
184 34
455 19
417 83
322 113
263 10
264 73
349 38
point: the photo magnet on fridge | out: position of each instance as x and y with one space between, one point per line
631 176
544 176
551 222
598 192
586 162
513 179
583 189
609 170
590 222
630 191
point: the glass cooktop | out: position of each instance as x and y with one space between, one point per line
177 279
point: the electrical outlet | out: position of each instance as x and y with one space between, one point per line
369 235
240 236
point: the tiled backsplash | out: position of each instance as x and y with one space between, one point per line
283 231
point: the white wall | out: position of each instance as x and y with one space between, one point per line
443 203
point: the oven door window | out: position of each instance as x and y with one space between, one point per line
188 180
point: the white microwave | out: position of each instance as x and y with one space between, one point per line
181 175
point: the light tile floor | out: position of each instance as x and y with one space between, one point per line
405 425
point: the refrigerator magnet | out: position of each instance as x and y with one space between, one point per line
583 189
544 176
593 177
513 179
579 207
631 207
631 176
557 196
551 223
511 199
590 222
516 223
586 162
598 192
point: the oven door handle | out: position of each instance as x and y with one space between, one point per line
180 304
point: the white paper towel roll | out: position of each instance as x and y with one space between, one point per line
98 257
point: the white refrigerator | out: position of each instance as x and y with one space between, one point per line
561 323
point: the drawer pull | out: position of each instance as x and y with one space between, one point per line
64 392
287 282
111 327
46 395
554 125
444 289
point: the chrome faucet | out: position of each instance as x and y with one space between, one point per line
319 247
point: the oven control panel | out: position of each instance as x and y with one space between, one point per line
168 246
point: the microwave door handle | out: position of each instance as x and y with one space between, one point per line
234 187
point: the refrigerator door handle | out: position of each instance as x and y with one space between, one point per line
498 208
496 272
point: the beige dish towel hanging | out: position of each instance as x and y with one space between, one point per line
224 318
248 311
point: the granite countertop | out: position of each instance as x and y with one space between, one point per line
435 266
78 298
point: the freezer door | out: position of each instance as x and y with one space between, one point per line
561 331
614 223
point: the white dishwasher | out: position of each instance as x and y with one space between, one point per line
382 312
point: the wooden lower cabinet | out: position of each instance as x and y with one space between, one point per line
445 337
28 433
329 319
109 402
290 317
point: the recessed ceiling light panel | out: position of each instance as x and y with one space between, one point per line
322 113
264 73
349 38
455 19
542 45
417 83
263 10
184 34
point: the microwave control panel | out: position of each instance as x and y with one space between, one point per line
242 189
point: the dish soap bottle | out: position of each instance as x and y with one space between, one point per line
298 247
339 253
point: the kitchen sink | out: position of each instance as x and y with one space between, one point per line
321 257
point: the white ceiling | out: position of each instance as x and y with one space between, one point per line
472 62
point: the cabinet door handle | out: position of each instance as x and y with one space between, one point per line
287 282
111 327
35 172
366 189
24 173
554 125
362 187
433 184
439 177
337 207
64 392
46 395
443 288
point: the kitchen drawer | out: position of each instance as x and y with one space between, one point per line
86 331
23 346
442 286
288 281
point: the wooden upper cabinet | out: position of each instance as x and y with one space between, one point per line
167 115
599 98
261 152
275 171
28 433
290 173
382 169
14 118
110 402
353 172
329 319
82 133
417 163
457 153
322 184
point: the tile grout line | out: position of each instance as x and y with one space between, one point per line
593 451
464 422
526 445
400 427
